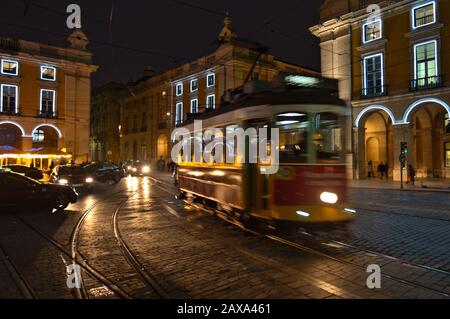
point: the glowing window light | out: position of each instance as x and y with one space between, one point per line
415 10
48 73
377 34
365 69
10 67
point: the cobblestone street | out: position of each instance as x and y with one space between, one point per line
135 240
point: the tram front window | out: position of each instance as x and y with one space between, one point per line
293 131
327 138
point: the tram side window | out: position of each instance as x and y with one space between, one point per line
327 138
293 131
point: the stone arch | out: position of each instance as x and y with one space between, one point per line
60 135
162 146
22 130
414 105
366 112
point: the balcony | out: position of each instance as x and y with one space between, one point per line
431 82
48 115
374 91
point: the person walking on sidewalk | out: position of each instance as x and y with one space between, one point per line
386 171
411 174
370 169
381 169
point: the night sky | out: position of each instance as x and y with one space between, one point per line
164 34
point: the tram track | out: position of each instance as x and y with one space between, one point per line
145 276
316 252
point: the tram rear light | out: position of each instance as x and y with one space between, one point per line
330 198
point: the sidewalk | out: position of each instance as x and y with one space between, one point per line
420 185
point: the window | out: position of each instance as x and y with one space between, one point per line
211 101
327 140
425 64
135 121
373 75
423 15
38 136
144 121
47 102
48 73
210 80
447 154
446 123
294 137
194 85
372 31
9 98
194 106
179 89
179 113
10 67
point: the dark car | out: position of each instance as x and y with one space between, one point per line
18 191
30 172
105 172
72 175
138 168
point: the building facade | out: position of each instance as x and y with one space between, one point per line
105 120
391 60
45 95
153 106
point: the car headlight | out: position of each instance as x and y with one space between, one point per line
89 180
330 198
134 169
128 167
63 181
146 169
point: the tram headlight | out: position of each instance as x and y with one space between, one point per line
89 180
146 169
329 198
134 169
63 181
129 167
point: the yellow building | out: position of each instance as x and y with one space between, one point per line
45 98
155 104
393 69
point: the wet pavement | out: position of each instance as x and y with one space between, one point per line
134 240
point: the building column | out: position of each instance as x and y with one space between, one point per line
27 143
403 133
359 149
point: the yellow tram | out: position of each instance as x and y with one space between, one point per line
308 185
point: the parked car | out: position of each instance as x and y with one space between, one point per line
72 175
18 191
30 172
105 172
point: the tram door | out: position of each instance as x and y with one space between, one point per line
257 184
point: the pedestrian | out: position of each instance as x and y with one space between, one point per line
386 171
411 175
370 169
381 169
